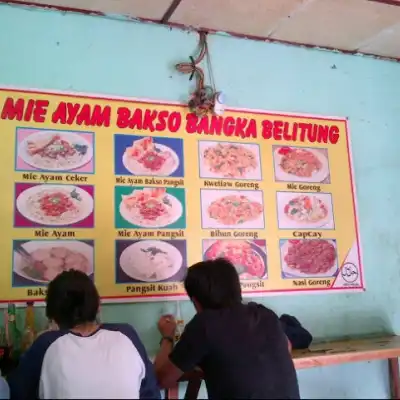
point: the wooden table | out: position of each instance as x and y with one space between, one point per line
324 354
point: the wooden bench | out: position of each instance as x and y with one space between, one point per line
324 354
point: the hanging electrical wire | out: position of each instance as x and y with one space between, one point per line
202 100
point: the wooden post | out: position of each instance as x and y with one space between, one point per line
394 378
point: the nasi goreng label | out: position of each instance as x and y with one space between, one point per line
132 193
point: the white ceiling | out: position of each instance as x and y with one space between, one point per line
364 26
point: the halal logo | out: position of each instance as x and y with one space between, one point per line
349 272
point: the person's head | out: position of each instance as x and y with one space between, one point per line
72 300
213 284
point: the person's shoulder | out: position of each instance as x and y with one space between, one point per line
205 317
261 310
129 332
199 322
208 319
125 329
45 339
41 345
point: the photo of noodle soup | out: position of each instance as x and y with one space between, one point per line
231 209
309 257
229 160
298 164
151 260
150 207
305 210
248 257
146 157
56 150
48 258
54 205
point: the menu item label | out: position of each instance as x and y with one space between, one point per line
133 193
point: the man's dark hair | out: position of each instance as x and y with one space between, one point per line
72 299
214 284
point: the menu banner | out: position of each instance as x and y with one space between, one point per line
133 193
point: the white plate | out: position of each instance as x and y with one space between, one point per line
68 136
135 168
285 222
297 274
77 246
316 177
205 172
86 204
129 254
176 208
209 196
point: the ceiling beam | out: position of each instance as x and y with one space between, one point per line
185 28
388 2
28 3
171 9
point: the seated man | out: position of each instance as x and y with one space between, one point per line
82 359
241 349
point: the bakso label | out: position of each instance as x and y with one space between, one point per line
132 193
39 292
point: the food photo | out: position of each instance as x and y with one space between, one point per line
54 151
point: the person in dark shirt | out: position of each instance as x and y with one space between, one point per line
241 348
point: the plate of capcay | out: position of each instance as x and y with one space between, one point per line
305 210
55 150
151 260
